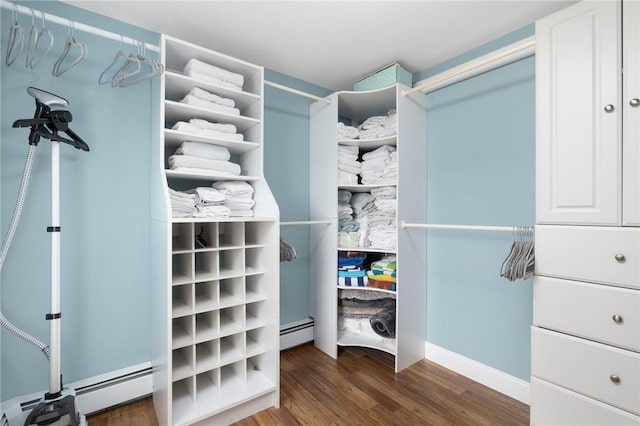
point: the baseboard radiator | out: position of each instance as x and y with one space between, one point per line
296 333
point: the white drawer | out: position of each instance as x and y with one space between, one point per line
598 312
587 368
553 405
588 253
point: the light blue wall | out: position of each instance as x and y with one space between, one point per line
481 149
286 163
104 213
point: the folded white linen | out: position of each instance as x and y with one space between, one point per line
220 127
346 178
181 195
178 161
204 150
349 169
361 199
211 106
382 151
207 196
348 239
373 164
372 133
213 80
234 187
346 132
204 172
214 71
184 127
348 149
384 192
345 156
347 162
211 97
212 211
386 204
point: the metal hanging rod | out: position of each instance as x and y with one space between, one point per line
506 55
77 26
306 222
295 91
405 225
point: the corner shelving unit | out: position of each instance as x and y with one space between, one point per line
215 309
410 141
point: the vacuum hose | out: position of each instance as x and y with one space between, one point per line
15 218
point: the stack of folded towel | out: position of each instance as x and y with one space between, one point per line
210 202
348 227
379 167
351 271
212 74
200 127
382 222
383 273
238 197
346 132
348 165
182 204
199 156
203 99
379 126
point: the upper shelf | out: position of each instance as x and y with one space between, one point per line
359 106
178 111
367 144
173 139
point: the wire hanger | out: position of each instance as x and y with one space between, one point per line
119 56
71 42
37 54
16 39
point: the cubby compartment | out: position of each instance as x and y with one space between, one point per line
255 315
205 236
182 300
181 237
253 342
206 265
207 381
231 320
231 263
182 363
207 296
254 260
231 292
231 349
232 374
231 234
256 233
182 332
207 326
255 288
184 391
207 355
182 268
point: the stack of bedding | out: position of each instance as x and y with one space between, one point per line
379 167
348 227
382 222
238 197
197 157
203 99
367 313
351 271
380 126
346 132
200 127
348 165
382 273
210 202
212 74
182 204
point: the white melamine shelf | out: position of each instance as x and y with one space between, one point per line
173 139
364 188
367 250
254 296
352 339
252 323
365 288
230 328
181 366
224 247
229 356
253 348
207 175
181 310
253 246
369 144
253 271
181 279
176 111
181 339
227 300
225 220
178 84
361 105
205 360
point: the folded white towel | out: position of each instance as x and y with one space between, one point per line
234 187
207 196
219 127
184 127
346 132
211 106
211 97
212 211
212 80
347 162
348 149
346 178
348 169
204 150
384 192
373 164
178 161
381 151
214 71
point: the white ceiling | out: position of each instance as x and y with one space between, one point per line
331 43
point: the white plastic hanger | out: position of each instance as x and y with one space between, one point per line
71 42
120 56
34 57
126 78
16 39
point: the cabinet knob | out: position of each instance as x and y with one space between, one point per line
614 378
617 319
609 108
620 258
634 102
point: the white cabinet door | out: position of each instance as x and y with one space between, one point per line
631 118
578 141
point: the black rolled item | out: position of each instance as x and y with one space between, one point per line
384 323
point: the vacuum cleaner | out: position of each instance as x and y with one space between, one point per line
58 406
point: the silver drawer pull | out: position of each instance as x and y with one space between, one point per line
608 108
620 258
614 378
634 102
617 319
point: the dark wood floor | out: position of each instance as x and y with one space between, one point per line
361 388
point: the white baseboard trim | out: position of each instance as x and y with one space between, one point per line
495 379
296 333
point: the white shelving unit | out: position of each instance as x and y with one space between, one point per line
215 308
410 142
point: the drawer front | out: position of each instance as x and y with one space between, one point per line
553 405
593 254
587 368
598 312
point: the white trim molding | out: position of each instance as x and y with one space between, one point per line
495 379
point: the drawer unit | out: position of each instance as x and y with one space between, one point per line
597 312
594 254
602 372
553 405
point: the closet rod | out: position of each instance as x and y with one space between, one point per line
306 222
77 26
405 225
506 55
295 91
